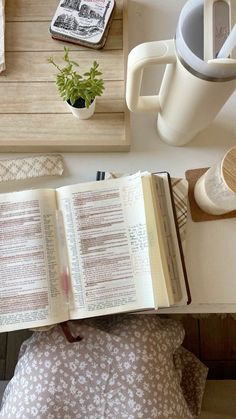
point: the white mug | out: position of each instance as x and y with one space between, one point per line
192 91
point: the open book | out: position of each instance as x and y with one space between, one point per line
89 249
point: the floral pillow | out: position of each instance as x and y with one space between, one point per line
124 367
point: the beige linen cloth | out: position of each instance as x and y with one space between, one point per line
2 30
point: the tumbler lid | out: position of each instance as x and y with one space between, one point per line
190 45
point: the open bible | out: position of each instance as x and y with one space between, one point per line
89 249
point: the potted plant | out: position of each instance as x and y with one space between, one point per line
79 91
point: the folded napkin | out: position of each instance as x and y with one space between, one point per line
2 30
31 167
180 195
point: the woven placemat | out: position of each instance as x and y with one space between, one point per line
197 213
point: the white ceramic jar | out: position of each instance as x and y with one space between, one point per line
215 190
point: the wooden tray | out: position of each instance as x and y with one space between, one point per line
33 117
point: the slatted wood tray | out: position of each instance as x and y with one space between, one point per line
33 117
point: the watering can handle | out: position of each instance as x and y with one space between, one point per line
156 52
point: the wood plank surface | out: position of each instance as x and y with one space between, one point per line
221 369
218 338
49 101
33 66
35 36
35 10
213 340
2 369
62 131
3 347
33 117
3 340
191 340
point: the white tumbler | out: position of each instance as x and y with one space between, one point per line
215 190
192 91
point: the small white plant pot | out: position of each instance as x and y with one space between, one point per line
83 113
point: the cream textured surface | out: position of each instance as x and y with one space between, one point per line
31 167
2 30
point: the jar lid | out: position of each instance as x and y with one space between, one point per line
229 169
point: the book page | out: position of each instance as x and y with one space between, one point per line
159 267
107 246
173 244
30 290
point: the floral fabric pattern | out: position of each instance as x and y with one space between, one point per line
125 367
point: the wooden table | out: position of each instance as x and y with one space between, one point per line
32 115
210 245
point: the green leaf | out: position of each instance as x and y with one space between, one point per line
71 84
